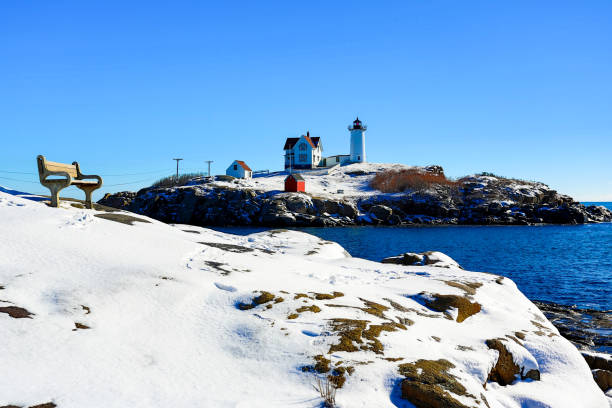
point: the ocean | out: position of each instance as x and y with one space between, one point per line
567 264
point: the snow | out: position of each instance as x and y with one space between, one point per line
165 329
321 182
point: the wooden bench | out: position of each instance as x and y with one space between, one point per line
69 175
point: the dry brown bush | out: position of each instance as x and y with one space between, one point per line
395 181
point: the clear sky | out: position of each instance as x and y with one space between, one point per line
518 88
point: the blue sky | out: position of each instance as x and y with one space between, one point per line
518 88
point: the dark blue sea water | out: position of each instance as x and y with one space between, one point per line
568 264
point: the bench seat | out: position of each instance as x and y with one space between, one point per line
91 182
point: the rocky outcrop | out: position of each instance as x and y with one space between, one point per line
598 362
455 307
585 328
221 206
479 200
603 378
506 370
429 258
601 367
279 302
428 384
120 200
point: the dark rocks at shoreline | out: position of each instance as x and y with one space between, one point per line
479 200
588 329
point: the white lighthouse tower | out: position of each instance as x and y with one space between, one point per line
357 129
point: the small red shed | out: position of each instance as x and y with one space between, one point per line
294 183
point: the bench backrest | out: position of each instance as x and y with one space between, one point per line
46 166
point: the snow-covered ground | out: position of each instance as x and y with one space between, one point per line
108 314
352 180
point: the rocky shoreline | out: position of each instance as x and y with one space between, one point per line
478 200
590 331
587 329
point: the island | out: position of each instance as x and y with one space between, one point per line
357 194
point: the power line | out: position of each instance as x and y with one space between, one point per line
103 175
22 181
17 172
136 174
123 184
105 185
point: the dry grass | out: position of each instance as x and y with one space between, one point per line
173 181
396 181
327 391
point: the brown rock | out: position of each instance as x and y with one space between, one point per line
505 369
465 308
532 375
603 378
598 362
408 258
428 383
16 312
426 396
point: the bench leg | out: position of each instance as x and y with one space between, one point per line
88 190
55 189
88 203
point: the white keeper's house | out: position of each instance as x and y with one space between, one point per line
239 169
303 152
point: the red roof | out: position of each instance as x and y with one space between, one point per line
243 165
291 141
309 140
295 176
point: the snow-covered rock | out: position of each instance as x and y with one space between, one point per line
430 258
112 309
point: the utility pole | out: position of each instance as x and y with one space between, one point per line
288 156
208 161
177 162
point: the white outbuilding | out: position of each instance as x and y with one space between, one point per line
239 169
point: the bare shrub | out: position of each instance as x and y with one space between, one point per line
173 181
395 181
327 391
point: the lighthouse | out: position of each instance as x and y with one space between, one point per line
357 129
